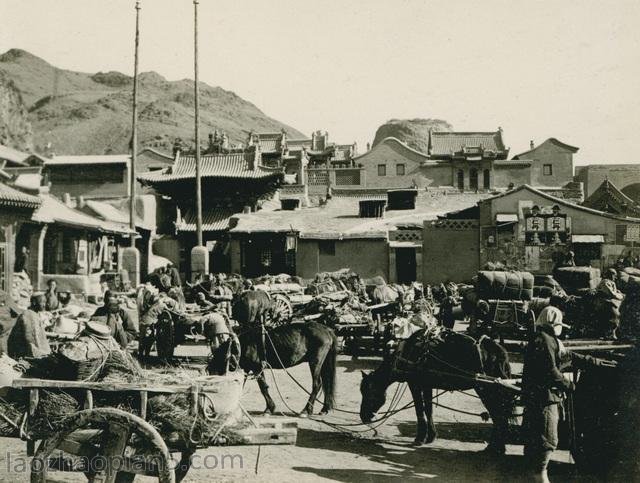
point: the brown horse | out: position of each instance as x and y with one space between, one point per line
448 361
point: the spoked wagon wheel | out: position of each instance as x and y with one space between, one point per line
106 440
282 310
165 336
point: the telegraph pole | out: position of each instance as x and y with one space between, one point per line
130 259
196 93
134 136
199 254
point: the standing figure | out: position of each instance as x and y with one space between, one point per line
22 260
51 295
543 389
611 298
28 338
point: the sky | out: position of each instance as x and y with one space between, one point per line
538 69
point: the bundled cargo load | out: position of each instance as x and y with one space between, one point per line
578 280
502 285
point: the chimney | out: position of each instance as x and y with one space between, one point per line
81 202
246 209
368 146
66 199
531 144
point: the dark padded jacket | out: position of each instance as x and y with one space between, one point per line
542 380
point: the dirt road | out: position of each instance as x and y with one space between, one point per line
322 454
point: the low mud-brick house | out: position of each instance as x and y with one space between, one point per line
525 228
232 182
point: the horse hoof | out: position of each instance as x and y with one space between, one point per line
324 412
431 438
417 443
303 415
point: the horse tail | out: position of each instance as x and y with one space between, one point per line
328 373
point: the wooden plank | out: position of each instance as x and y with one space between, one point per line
88 399
113 386
144 395
262 436
34 398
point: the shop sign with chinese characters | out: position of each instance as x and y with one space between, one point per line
546 225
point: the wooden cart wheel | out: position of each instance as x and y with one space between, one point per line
107 450
283 310
165 336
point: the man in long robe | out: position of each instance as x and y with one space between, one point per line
28 338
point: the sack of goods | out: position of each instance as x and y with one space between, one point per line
505 285
575 279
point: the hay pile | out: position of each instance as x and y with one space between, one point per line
170 414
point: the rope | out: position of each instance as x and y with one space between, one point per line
293 378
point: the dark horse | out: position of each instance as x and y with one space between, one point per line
288 346
253 306
448 361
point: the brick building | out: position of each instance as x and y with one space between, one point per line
467 161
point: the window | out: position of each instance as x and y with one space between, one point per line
547 169
327 247
400 169
382 170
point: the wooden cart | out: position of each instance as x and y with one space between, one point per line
104 442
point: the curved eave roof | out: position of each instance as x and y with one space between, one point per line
12 198
562 202
394 140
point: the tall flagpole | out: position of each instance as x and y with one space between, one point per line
197 126
134 136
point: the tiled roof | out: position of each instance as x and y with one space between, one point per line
610 199
446 143
267 145
89 159
12 155
235 165
52 210
12 198
298 144
213 219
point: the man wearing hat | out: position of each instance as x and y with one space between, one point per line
122 328
544 387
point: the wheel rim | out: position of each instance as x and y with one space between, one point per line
283 310
104 417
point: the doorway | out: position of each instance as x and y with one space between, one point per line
406 265
473 179
586 253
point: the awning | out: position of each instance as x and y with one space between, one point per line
587 239
507 218
404 244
